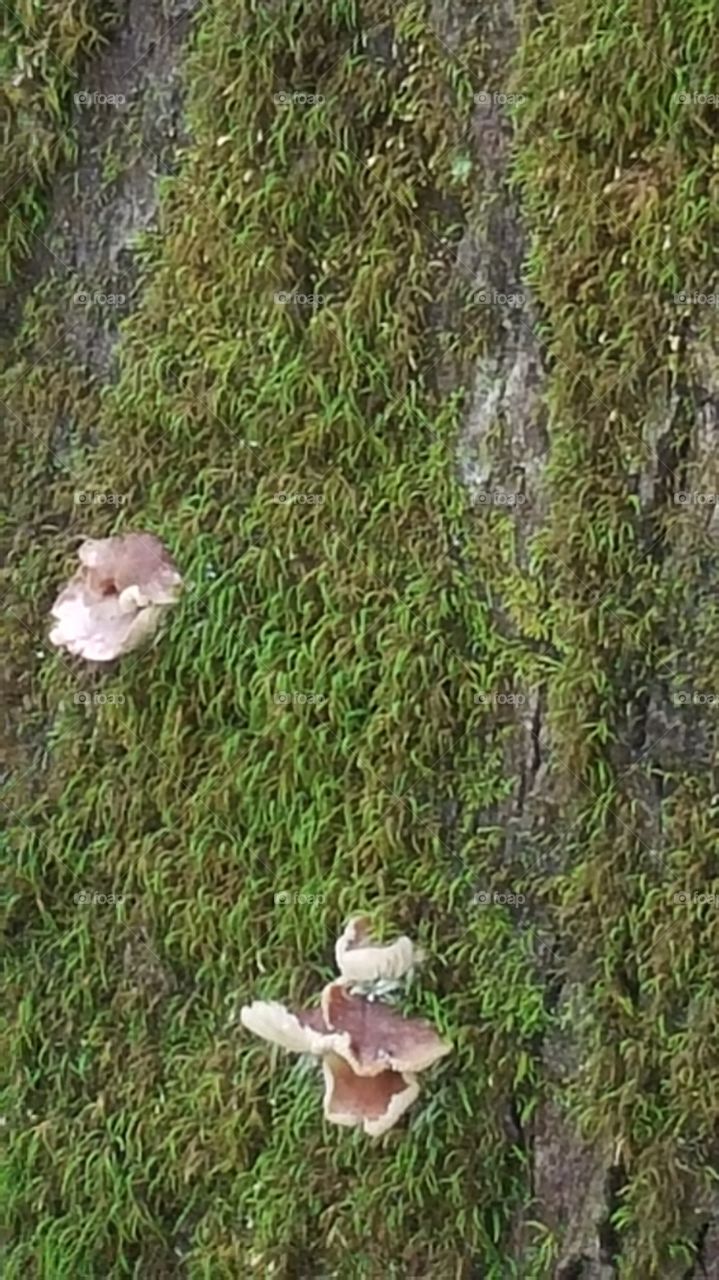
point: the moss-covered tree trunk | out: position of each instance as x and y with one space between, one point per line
449 649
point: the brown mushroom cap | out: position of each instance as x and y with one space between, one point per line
378 1036
375 1102
369 1035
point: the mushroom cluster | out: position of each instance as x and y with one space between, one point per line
116 599
371 1054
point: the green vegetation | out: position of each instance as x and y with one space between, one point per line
619 181
41 44
150 1136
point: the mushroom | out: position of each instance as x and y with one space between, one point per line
374 1102
361 959
374 1080
376 1036
302 1032
115 600
371 1054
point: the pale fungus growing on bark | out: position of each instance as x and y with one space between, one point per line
116 599
371 1054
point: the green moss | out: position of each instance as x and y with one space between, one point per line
617 176
43 49
213 783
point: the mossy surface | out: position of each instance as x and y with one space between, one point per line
320 718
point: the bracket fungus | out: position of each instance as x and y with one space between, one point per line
116 598
371 1054
360 959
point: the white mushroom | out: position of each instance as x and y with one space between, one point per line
361 959
117 597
